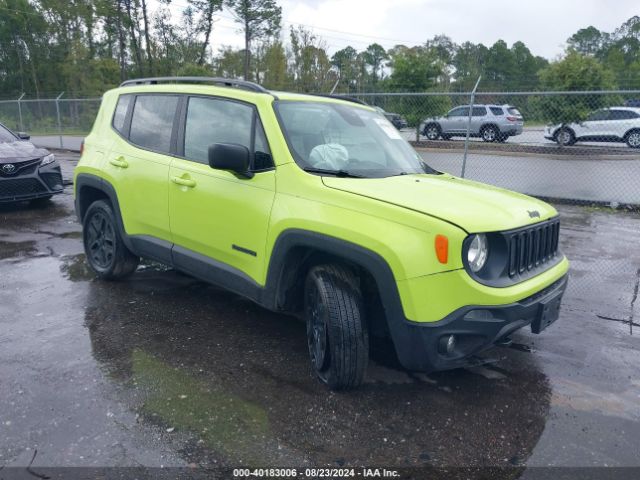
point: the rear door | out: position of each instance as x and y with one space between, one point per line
138 163
621 121
217 214
478 118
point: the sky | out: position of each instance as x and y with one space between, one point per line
543 25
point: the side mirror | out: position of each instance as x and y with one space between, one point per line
23 135
230 156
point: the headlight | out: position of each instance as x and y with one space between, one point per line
478 252
47 159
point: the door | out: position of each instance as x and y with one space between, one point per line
620 122
217 214
594 127
138 163
456 121
478 118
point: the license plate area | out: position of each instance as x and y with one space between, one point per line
548 312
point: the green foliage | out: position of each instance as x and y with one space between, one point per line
260 19
575 72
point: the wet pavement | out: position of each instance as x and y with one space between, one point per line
164 370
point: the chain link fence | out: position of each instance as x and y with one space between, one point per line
59 117
577 147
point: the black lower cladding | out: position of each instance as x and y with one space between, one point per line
475 328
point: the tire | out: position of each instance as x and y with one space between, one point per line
490 133
633 139
432 131
40 202
565 137
107 255
337 334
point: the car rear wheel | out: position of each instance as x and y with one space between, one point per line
490 133
336 330
432 131
565 137
106 253
633 139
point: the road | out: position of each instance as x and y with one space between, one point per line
163 370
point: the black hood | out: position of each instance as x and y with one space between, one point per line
19 150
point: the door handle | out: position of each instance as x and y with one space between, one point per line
119 162
185 182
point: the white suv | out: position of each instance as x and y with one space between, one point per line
615 124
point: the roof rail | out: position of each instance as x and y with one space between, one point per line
227 82
341 97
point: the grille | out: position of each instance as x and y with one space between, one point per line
20 187
533 247
22 168
53 180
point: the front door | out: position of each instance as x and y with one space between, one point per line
214 213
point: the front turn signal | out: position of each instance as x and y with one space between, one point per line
442 248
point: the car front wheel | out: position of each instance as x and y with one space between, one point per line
565 137
336 330
432 131
106 253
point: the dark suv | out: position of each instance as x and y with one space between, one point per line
26 172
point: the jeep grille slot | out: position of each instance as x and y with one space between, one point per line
532 247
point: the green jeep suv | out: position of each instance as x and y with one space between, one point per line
315 206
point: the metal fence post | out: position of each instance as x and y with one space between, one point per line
58 116
20 113
466 138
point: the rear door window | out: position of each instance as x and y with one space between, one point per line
479 111
152 121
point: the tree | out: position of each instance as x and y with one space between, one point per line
206 8
588 41
374 55
345 62
576 72
259 19
310 64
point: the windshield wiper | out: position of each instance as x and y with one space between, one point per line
335 173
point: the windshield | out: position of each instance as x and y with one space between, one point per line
350 141
6 136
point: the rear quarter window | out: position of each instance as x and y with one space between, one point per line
120 113
496 110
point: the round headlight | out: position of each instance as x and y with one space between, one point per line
478 252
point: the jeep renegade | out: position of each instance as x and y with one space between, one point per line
315 206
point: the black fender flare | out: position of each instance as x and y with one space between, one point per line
98 183
355 254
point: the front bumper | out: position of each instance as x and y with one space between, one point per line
419 345
42 182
